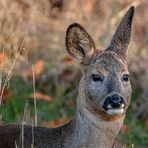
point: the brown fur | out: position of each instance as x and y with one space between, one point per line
92 126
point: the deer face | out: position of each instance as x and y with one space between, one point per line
105 86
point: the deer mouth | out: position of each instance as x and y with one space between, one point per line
115 111
114 105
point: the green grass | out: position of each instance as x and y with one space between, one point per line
137 135
12 112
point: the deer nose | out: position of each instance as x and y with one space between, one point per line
114 101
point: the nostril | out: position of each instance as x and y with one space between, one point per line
115 99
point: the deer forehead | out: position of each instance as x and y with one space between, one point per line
108 62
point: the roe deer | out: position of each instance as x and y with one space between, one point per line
104 95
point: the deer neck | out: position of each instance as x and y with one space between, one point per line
90 131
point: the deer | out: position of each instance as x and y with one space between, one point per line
104 95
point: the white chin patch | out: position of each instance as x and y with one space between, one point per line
115 111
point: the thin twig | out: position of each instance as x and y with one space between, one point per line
32 144
10 71
1 65
23 123
35 108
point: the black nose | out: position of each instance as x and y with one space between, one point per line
114 100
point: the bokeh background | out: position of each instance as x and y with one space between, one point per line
35 65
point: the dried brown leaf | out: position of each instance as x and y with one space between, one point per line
38 69
40 96
3 57
125 129
7 95
58 122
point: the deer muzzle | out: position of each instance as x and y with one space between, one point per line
114 104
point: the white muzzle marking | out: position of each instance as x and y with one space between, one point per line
115 111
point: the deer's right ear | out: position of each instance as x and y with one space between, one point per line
78 42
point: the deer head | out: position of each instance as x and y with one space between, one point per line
105 87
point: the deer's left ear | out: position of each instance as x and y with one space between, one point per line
122 36
78 42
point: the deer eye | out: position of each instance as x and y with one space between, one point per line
96 78
125 77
